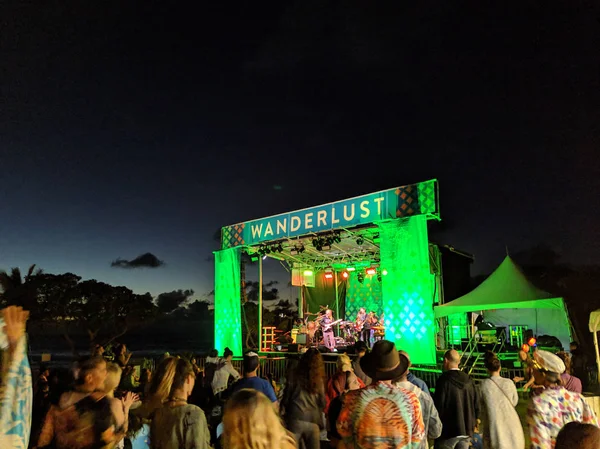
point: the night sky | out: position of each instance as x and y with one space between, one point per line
144 128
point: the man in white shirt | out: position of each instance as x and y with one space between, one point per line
224 370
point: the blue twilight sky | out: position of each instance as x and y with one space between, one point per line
146 128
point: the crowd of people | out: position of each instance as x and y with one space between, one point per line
373 401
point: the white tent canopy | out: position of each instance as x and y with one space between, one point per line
508 298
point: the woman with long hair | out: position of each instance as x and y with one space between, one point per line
175 423
122 356
343 380
250 422
500 422
303 399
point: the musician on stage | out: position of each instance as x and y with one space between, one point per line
367 332
362 327
326 326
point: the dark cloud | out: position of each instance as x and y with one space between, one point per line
147 260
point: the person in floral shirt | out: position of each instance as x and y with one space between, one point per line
381 415
549 411
16 390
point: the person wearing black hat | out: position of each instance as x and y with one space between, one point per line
251 379
381 411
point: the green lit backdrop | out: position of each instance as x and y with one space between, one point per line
228 326
409 287
367 295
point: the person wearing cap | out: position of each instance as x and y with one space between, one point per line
414 379
457 403
555 406
251 379
381 414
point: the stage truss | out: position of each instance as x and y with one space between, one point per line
338 249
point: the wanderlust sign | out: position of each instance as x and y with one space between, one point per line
405 201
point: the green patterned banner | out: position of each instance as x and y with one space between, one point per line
400 202
366 294
409 288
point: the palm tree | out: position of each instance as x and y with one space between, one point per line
18 290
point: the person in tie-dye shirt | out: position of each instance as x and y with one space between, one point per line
555 406
16 390
381 415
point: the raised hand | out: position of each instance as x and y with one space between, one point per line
15 319
129 399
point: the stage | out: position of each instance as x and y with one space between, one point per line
370 251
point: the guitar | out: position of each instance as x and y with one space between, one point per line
359 324
327 328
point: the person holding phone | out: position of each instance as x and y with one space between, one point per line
16 387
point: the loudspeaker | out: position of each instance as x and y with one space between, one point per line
301 339
293 347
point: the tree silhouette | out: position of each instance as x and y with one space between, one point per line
198 309
168 302
102 311
17 290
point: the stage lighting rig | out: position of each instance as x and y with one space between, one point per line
319 244
360 241
360 277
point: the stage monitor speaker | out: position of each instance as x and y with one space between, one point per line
293 347
301 339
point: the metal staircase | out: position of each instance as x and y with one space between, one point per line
472 359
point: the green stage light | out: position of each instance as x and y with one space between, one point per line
228 311
408 292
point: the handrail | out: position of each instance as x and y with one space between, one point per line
469 350
498 347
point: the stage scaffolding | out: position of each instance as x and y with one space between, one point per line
383 232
